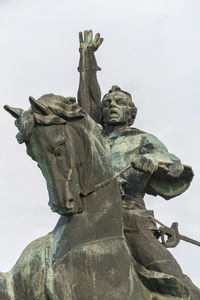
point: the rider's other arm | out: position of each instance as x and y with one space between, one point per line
170 177
89 93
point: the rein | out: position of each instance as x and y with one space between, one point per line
111 179
104 183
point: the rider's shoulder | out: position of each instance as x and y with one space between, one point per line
144 137
135 131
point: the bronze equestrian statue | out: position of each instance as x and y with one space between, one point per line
96 179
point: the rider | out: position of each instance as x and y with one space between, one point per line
155 171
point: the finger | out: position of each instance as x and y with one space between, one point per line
164 167
80 37
155 168
146 166
100 41
85 35
167 164
152 167
143 162
97 36
90 35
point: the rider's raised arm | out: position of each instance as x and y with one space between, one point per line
89 93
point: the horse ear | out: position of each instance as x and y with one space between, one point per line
15 112
37 107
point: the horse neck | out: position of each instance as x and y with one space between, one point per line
104 208
94 165
101 219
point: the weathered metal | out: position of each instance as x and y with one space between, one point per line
155 170
173 235
102 247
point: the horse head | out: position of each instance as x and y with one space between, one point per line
68 147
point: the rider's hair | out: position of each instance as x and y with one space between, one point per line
132 107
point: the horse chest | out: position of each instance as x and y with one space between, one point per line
95 271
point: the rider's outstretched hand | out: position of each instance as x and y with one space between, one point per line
87 41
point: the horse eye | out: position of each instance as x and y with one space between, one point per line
58 151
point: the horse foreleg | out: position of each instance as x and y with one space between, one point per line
27 279
6 288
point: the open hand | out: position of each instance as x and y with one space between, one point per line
88 41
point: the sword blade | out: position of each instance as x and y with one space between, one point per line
189 240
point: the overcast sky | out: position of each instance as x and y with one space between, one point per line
151 49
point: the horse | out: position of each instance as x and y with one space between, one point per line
86 256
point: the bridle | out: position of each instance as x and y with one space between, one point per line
105 182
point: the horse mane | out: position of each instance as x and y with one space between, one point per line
47 110
52 109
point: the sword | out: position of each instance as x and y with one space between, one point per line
189 240
173 235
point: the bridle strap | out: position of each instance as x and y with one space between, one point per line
104 183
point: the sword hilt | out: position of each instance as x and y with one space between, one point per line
172 234
169 232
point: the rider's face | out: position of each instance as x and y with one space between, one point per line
116 108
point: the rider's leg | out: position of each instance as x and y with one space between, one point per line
148 251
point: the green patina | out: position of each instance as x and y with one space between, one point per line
105 245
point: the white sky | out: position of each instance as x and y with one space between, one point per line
151 49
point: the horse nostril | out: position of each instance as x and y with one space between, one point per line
70 203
